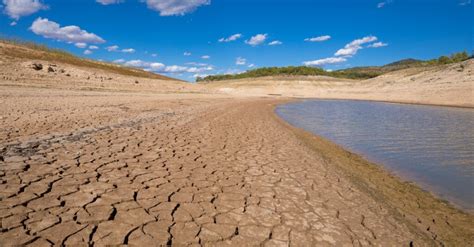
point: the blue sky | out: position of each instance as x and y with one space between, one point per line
186 38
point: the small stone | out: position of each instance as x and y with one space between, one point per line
37 66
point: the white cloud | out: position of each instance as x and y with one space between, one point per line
154 55
72 34
251 65
206 57
112 48
352 48
197 64
13 23
198 70
119 61
465 2
107 2
93 47
87 52
384 3
81 45
162 68
186 53
257 39
377 45
175 7
349 50
175 69
129 50
318 39
156 66
240 61
275 42
233 72
325 61
137 63
231 38
201 75
18 8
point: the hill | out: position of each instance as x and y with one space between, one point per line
31 65
29 50
351 73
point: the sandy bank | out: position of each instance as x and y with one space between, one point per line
450 85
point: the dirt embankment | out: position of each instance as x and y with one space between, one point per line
64 71
442 85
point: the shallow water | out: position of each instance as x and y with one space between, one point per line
429 145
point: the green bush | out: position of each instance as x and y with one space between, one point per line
444 60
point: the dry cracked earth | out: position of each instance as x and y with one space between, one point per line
86 169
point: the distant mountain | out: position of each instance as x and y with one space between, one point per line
378 70
404 62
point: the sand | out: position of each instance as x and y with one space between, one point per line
112 162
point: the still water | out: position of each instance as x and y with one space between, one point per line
429 145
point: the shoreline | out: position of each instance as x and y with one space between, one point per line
377 181
420 103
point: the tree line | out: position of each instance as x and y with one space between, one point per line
352 73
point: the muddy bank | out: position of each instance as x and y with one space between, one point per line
442 222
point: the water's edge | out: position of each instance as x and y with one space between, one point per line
401 102
299 120
407 202
351 156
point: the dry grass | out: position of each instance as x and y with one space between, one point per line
29 50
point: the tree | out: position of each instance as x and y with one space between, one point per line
459 57
444 60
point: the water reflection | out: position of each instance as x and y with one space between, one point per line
432 146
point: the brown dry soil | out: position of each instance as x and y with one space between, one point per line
90 168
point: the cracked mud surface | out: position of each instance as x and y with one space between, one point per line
110 169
